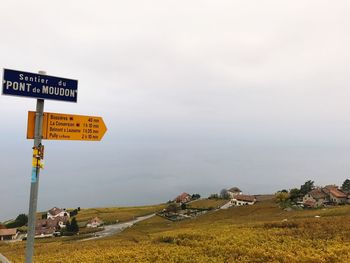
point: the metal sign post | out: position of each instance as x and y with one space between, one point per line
57 126
34 186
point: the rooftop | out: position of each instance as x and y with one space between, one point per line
247 198
8 232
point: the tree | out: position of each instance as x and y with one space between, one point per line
224 194
195 196
68 228
73 213
306 187
22 219
346 186
183 206
74 226
294 194
281 197
172 208
213 196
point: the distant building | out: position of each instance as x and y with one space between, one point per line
330 194
234 191
239 200
183 198
328 188
8 234
309 203
95 222
315 198
57 212
338 197
50 225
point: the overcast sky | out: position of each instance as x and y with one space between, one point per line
196 95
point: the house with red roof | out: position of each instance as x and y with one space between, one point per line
183 198
315 198
320 196
50 225
234 191
337 196
8 234
241 199
94 222
57 212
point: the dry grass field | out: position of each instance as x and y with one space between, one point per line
112 214
259 233
207 203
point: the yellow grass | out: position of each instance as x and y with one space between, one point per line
122 214
207 203
257 233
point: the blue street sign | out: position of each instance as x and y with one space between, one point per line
25 84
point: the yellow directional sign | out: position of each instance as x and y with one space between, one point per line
57 126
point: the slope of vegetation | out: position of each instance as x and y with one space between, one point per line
259 233
207 203
121 214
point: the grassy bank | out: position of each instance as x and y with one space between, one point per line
259 233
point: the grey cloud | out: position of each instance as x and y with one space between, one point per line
197 96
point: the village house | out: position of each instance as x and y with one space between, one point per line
337 197
95 222
8 234
234 191
49 226
239 200
57 212
330 194
183 198
327 188
315 198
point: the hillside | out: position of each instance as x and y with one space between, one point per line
259 233
207 203
121 214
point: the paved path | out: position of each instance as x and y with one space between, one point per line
227 205
110 230
3 259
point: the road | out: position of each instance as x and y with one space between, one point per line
110 230
227 205
3 259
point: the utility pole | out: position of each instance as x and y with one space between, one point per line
34 186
